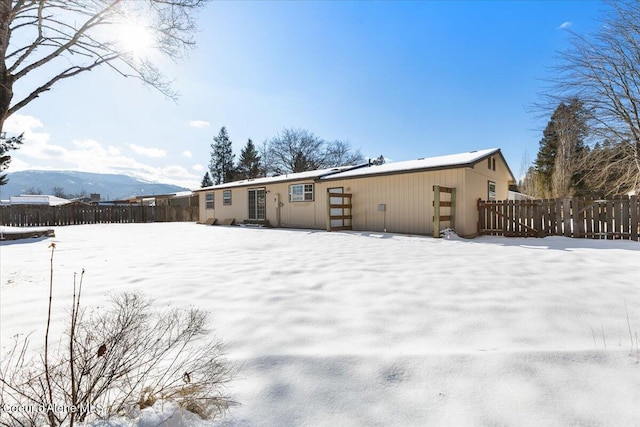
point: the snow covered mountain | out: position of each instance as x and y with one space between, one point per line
109 186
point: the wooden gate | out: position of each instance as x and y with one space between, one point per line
509 218
339 210
438 218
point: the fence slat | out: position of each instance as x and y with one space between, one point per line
610 219
39 216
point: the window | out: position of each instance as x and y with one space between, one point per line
226 197
489 164
493 163
209 201
492 191
301 193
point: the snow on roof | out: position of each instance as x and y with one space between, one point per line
38 199
451 160
280 178
461 159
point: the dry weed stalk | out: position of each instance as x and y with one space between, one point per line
116 361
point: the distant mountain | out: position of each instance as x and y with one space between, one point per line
109 186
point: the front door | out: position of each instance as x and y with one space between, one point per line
257 204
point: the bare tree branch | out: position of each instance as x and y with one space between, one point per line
602 70
63 38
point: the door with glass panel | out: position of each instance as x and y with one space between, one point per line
257 204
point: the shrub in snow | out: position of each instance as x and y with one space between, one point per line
448 233
115 361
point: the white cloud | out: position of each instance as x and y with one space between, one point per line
89 155
18 123
564 25
156 153
188 154
201 124
197 168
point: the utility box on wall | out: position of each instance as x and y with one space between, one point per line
382 207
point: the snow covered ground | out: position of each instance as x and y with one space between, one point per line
370 329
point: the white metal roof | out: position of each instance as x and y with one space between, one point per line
450 160
38 199
280 178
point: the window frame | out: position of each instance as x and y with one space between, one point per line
226 201
209 204
489 192
307 194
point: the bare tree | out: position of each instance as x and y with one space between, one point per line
340 153
266 168
298 150
59 192
603 71
63 38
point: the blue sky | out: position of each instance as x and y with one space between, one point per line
401 79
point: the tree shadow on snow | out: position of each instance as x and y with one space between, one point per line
560 243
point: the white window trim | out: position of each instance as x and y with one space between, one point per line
495 190
209 203
307 194
226 201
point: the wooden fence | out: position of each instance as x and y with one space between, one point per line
73 214
595 219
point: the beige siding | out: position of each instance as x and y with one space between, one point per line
408 198
279 211
477 187
203 213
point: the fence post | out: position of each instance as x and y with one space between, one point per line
436 211
634 205
453 209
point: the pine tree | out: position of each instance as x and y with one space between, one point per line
249 165
380 160
7 144
221 164
206 181
545 161
561 150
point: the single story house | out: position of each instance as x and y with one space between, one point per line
397 197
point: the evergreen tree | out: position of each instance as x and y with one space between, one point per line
221 164
380 160
7 144
206 181
249 163
562 148
545 161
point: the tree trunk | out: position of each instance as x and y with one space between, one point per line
6 80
